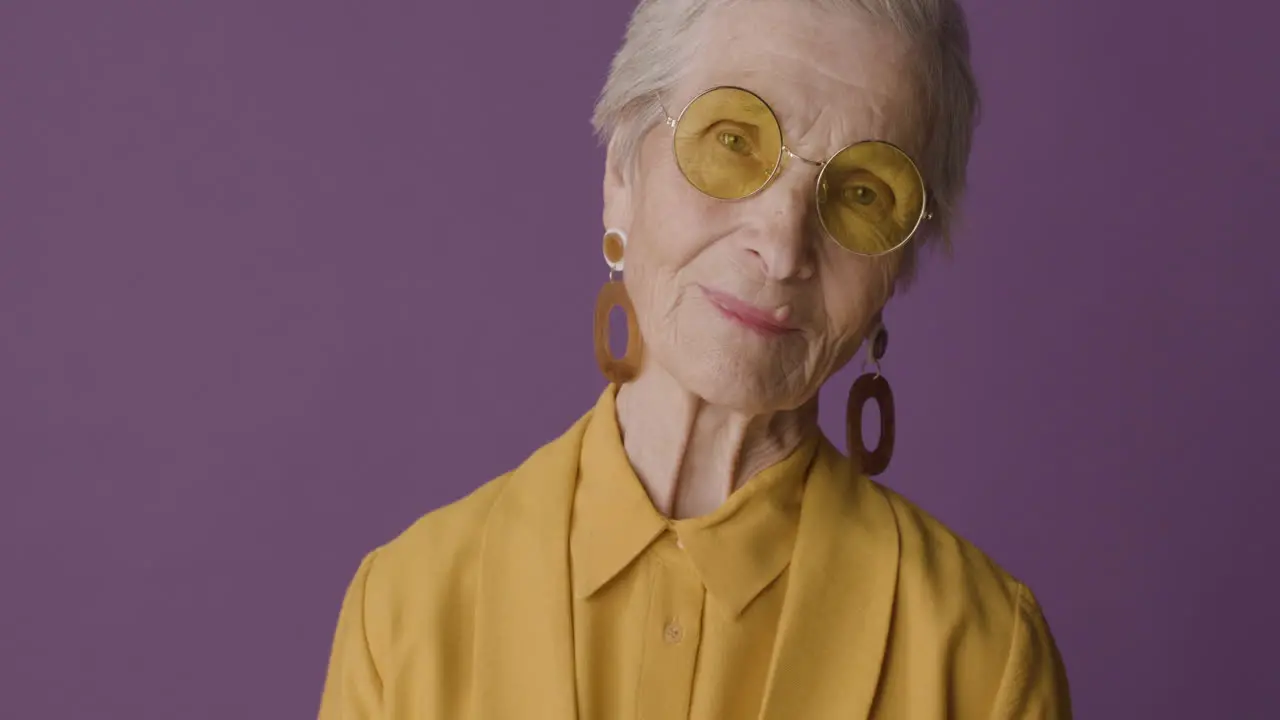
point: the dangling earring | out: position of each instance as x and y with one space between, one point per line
614 294
871 386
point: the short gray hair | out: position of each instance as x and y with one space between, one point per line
657 48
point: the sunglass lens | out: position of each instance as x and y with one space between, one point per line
728 143
870 197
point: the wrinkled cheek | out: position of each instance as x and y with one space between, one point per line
832 350
646 292
843 354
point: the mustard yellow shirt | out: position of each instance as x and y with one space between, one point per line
676 619
555 591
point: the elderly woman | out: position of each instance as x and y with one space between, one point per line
693 547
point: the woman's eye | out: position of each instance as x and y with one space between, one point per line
858 195
734 142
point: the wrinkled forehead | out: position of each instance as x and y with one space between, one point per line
830 78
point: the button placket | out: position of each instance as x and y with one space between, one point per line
673 634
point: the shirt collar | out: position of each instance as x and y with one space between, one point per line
737 550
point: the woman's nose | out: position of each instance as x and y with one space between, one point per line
782 221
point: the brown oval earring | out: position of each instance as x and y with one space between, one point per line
867 387
614 294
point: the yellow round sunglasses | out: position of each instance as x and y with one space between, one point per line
870 195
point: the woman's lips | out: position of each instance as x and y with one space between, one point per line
765 322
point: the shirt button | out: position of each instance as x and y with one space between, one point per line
673 633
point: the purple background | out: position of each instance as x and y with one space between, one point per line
278 277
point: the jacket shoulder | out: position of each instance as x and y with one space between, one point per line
935 560
974 627
414 595
428 576
440 545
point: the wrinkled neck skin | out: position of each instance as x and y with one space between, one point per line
691 455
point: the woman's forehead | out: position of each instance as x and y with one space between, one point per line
819 73
812 117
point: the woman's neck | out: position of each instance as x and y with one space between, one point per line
691 455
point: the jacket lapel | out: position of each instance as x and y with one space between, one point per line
523 661
836 616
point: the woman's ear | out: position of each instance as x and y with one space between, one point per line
618 187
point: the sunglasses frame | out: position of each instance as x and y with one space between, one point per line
785 152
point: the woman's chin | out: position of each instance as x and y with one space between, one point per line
752 385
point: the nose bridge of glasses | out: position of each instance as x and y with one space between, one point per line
808 169
792 154
799 189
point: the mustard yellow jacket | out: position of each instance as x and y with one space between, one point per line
468 616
